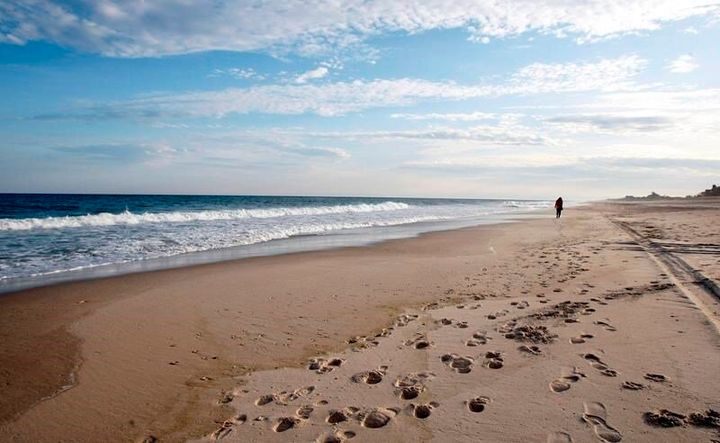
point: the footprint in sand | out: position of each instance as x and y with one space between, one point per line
632 386
265 399
532 350
658 378
445 321
707 419
507 327
596 415
335 437
360 342
461 365
422 411
223 431
377 418
370 377
404 319
419 341
493 360
606 324
520 305
284 423
385 332
410 392
582 338
410 386
568 376
559 437
477 404
600 365
323 366
226 428
501 313
336 416
282 398
304 412
478 338
304 391
664 418
226 398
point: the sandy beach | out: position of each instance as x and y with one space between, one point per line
600 326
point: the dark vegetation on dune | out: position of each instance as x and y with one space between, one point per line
714 191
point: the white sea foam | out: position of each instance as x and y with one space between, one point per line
134 249
130 218
526 204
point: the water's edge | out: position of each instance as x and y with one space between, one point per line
334 240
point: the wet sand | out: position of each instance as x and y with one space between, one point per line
580 329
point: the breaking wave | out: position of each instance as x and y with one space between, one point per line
130 218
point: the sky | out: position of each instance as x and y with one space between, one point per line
478 99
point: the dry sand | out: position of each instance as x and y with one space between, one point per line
593 327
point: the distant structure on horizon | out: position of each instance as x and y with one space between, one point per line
714 191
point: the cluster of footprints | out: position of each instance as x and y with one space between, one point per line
406 387
409 387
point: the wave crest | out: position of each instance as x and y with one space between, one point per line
130 218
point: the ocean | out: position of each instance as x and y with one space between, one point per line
46 238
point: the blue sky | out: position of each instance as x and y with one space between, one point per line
524 99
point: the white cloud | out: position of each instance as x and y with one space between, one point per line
134 28
683 64
484 135
663 111
455 117
667 100
313 74
239 73
331 99
602 75
614 123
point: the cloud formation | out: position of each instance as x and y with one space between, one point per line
455 117
485 135
332 99
612 122
137 28
114 153
683 64
238 73
313 74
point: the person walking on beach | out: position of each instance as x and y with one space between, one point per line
558 207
